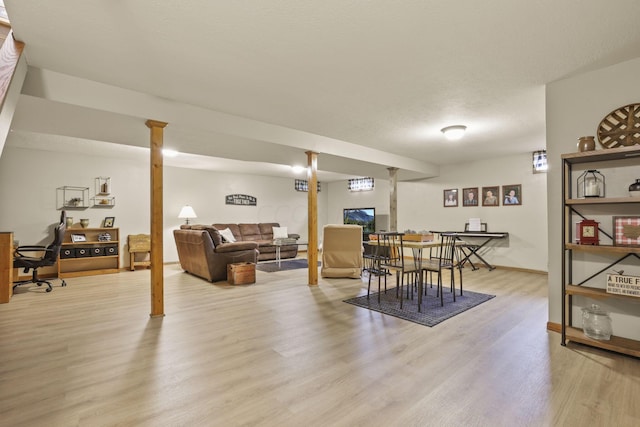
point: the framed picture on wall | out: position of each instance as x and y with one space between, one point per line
450 198
512 195
470 196
490 196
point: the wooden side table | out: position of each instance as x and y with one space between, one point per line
139 243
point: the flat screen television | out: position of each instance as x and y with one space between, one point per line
365 217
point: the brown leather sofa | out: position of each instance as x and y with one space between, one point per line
202 252
262 233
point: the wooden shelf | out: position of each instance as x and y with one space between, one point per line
597 293
602 155
90 265
618 344
602 249
93 243
602 201
613 206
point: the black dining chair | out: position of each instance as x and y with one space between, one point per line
34 257
445 259
389 258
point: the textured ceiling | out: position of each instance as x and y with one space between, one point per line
387 75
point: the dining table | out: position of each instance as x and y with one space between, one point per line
417 248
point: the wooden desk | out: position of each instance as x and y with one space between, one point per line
6 266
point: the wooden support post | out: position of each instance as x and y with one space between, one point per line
6 266
393 199
157 264
312 252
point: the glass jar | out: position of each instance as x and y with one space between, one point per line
596 323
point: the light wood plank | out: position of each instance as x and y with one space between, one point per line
312 216
280 352
157 255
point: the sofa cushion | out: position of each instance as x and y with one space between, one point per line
227 235
280 232
236 246
233 227
250 232
266 229
213 232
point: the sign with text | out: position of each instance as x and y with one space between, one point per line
241 199
623 285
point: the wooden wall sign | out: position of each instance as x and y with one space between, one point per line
240 199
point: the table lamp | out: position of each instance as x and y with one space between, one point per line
187 213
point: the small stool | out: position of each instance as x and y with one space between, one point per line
138 243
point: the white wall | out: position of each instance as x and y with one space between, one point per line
575 107
340 198
420 207
29 178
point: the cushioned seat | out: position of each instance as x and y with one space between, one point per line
342 251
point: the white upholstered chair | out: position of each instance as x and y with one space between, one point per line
341 251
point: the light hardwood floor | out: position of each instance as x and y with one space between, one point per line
281 353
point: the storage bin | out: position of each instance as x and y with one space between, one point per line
111 250
83 252
241 273
67 253
97 251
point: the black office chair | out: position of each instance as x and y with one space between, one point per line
48 257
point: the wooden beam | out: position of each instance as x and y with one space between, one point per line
157 264
312 253
393 199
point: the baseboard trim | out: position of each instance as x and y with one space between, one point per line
554 327
504 267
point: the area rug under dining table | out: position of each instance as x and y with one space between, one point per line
432 312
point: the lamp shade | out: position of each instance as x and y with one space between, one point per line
187 213
453 133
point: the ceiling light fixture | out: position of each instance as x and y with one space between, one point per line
168 152
453 133
298 169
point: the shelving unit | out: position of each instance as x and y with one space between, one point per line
586 288
103 202
92 257
69 197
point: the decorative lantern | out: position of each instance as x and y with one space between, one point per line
591 184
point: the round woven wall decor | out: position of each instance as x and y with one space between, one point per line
620 127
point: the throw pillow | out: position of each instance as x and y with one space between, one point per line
280 233
227 235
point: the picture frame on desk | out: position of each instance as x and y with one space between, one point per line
626 231
109 221
78 238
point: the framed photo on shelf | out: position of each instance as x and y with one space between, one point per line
75 238
450 198
626 231
108 221
470 196
490 196
512 195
